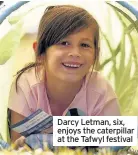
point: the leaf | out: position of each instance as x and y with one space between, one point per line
125 15
124 76
131 27
10 42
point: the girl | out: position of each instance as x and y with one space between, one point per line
62 77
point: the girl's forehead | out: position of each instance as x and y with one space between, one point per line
83 33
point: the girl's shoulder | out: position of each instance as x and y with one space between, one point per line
99 84
29 79
100 96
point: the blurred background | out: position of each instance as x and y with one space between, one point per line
118 46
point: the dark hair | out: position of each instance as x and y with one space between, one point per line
56 23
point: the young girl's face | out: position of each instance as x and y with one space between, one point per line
71 58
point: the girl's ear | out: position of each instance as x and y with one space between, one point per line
35 46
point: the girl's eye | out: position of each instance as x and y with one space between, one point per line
64 43
85 45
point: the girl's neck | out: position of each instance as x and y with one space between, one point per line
61 92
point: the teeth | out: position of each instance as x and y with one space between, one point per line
71 65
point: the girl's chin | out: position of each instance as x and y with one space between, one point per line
71 79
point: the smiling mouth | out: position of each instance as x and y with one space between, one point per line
72 66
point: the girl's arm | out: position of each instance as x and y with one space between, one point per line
19 108
15 118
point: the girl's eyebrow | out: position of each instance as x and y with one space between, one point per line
82 39
87 39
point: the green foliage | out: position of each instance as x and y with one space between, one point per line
124 60
10 42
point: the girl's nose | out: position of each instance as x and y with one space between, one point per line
74 52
